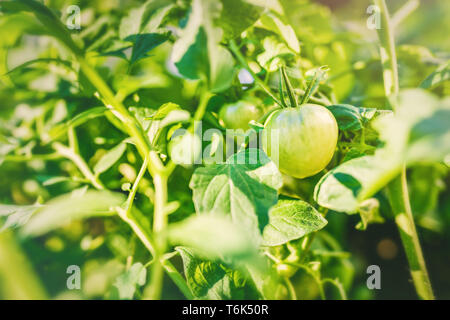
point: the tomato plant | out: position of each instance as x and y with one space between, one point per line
121 175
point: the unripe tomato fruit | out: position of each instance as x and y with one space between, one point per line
185 149
307 138
286 270
238 115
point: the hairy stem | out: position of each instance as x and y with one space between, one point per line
398 188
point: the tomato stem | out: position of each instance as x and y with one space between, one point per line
235 49
314 84
289 89
398 188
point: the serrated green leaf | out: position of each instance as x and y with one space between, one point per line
290 220
352 118
143 43
212 281
245 187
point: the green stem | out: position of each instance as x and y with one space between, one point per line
399 199
313 85
119 110
402 13
291 288
156 168
80 163
387 51
138 230
235 49
159 225
134 189
338 286
243 62
24 158
398 188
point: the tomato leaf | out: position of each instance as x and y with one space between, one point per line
245 187
351 118
143 43
213 281
418 132
16 216
126 284
237 16
273 23
110 158
51 25
58 130
344 187
144 19
290 220
197 54
439 76
65 208
215 237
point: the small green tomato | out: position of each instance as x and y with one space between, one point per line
185 149
238 115
307 138
286 270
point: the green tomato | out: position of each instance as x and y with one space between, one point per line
286 270
185 149
307 138
238 115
